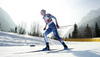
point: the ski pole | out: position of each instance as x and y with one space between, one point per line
61 27
66 26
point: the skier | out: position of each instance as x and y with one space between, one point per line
52 28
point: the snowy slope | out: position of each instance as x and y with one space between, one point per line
11 39
13 45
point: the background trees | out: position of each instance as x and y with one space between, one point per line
69 35
75 32
88 32
22 28
97 30
85 32
36 29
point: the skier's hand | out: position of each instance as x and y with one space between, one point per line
58 26
44 28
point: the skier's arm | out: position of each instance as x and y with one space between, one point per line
53 17
55 20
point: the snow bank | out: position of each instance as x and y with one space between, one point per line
11 39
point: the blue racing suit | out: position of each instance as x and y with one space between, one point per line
52 27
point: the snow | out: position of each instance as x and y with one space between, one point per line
11 39
14 45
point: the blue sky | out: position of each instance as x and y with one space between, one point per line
67 12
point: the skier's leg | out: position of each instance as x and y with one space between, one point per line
46 39
57 36
46 33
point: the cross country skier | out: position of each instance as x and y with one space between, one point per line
52 28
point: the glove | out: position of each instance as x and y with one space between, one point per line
57 26
44 28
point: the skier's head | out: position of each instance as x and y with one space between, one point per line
43 12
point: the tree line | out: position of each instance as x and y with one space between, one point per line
35 29
78 32
85 32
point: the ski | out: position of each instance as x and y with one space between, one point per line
56 51
49 51
34 51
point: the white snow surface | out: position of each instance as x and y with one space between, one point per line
15 45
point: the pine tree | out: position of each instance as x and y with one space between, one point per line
88 32
97 30
66 38
75 32
70 36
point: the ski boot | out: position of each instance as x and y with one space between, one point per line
65 46
47 48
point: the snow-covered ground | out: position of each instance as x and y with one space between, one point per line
11 39
14 45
